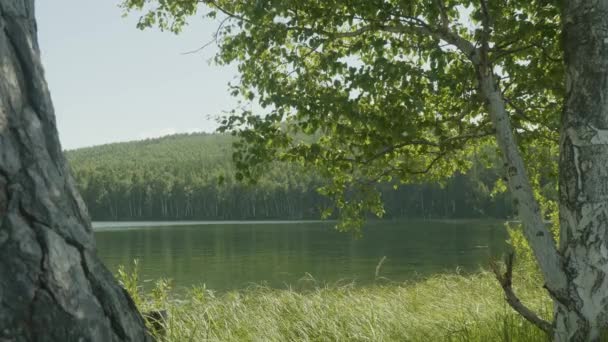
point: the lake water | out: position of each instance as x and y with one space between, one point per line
233 255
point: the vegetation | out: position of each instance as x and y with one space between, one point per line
185 177
392 88
404 91
53 285
441 308
191 176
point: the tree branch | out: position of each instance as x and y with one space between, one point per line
405 25
440 154
537 234
445 21
215 38
408 171
506 281
417 27
521 113
485 36
423 142
501 52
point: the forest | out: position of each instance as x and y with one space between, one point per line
191 177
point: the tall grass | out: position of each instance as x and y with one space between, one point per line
449 307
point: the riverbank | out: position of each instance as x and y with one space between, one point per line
448 307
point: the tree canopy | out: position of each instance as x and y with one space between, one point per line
390 87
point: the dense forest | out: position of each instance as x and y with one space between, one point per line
190 176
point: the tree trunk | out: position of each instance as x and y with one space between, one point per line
52 285
534 229
583 177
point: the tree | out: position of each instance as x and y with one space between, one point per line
406 90
53 287
126 181
583 184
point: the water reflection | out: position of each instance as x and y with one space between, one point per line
229 256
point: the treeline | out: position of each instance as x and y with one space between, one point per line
178 178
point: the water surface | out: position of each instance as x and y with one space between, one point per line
233 255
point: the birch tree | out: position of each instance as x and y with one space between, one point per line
53 287
405 90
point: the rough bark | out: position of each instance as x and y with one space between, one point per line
584 173
52 285
575 274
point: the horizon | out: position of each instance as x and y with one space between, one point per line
135 140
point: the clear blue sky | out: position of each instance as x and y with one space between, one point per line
112 82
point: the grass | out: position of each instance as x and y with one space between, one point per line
449 307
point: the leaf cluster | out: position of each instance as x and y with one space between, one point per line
385 87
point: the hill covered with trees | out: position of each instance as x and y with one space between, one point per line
191 176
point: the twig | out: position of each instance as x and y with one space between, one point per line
506 281
214 40
379 266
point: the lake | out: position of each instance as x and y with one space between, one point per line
234 255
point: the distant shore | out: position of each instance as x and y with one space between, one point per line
107 225
111 225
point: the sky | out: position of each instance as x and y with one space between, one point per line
111 82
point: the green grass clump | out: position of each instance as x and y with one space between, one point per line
449 307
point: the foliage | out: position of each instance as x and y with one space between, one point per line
387 86
188 176
178 177
129 280
441 308
520 245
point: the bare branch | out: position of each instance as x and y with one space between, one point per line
506 281
215 38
